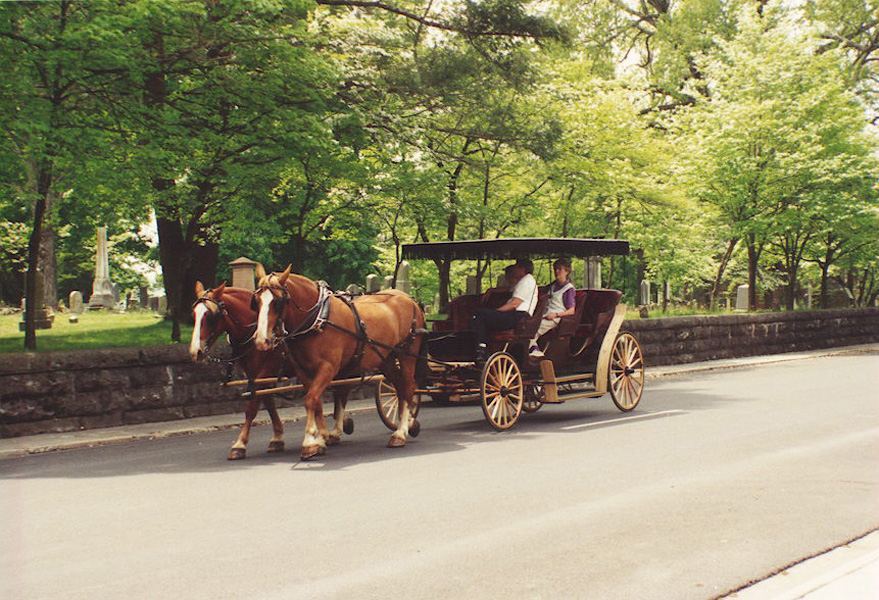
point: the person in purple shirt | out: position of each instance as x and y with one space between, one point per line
562 301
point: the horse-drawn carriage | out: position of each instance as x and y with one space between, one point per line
338 341
585 356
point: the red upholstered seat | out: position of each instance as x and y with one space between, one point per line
526 328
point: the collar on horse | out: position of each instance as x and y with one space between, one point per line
316 316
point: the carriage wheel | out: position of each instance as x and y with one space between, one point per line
388 405
502 391
533 398
626 372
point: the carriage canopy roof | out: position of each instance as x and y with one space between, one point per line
517 248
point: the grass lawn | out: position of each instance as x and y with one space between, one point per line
99 329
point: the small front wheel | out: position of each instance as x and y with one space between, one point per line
388 405
502 391
626 372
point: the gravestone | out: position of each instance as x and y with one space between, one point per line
386 283
75 302
592 273
644 293
242 273
43 318
162 305
144 297
472 285
372 283
403 278
742 298
353 289
103 290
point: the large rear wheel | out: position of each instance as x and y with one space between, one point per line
626 372
388 405
502 391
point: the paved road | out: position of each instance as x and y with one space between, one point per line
716 480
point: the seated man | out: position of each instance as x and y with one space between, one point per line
521 305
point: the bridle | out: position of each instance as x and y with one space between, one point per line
316 315
213 315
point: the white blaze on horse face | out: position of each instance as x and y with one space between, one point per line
197 345
262 320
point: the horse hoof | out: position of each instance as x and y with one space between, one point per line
309 452
348 425
415 428
237 453
396 442
333 439
276 447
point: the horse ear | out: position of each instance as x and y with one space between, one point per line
260 272
199 289
220 289
282 278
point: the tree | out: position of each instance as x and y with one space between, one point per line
777 134
54 70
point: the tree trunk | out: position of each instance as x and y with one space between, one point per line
49 259
43 185
173 258
753 261
721 269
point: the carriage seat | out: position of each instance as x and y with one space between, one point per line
461 308
593 313
526 328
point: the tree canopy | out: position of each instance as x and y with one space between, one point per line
731 141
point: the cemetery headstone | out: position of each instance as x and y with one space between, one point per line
742 298
403 278
103 290
242 273
644 293
372 283
472 285
43 318
592 273
75 301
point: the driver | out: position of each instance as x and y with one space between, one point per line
519 306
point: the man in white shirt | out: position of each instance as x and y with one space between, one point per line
521 305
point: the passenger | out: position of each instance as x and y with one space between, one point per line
521 305
562 302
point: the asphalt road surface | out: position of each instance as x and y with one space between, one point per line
716 480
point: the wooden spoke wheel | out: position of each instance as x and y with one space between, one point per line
388 405
626 372
533 398
502 391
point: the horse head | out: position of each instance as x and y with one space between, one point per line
208 324
271 291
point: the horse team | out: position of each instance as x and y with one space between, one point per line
291 323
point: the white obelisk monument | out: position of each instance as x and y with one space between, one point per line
103 290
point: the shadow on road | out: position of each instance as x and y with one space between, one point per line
445 429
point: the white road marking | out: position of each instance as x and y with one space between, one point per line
644 416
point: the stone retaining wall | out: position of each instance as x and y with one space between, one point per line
55 392
679 340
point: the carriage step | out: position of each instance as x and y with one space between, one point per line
551 384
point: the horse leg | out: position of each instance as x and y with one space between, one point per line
340 421
239 448
276 444
314 443
403 380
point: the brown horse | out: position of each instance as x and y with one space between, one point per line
326 338
227 310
